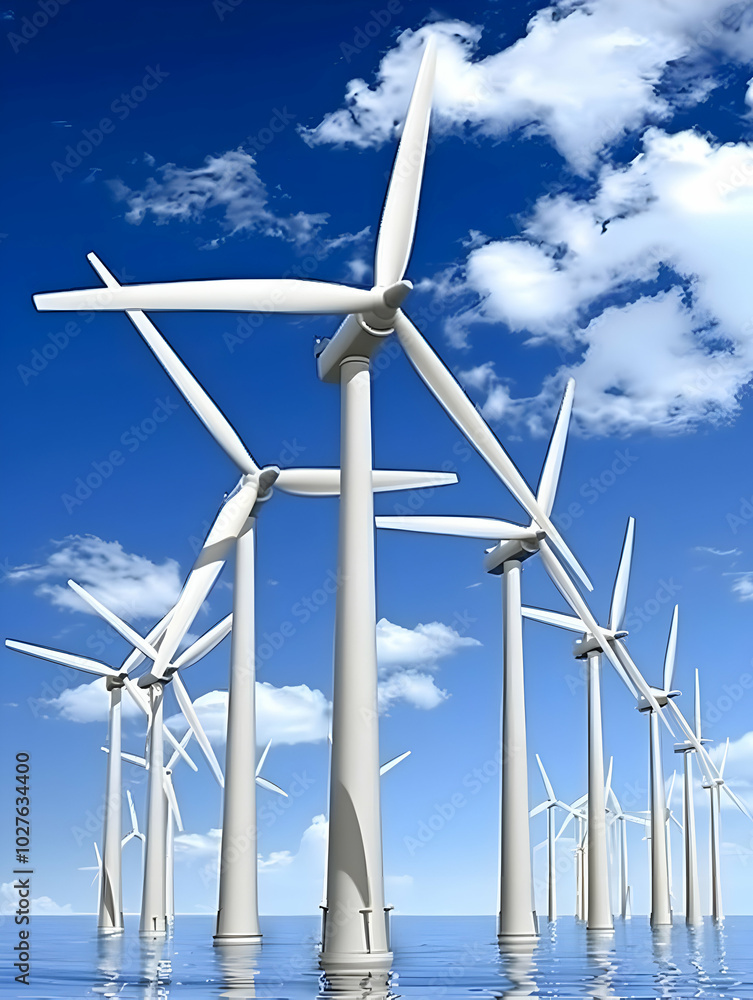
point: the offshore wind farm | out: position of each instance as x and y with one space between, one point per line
619 886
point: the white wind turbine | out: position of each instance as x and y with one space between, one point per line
715 789
110 909
589 648
621 816
153 899
515 544
550 804
355 929
237 918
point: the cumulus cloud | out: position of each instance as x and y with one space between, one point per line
41 906
641 282
742 586
289 714
585 74
227 187
87 703
130 585
290 882
408 659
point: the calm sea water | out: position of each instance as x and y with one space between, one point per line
456 958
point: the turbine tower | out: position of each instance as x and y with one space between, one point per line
693 913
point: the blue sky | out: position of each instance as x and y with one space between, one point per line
586 211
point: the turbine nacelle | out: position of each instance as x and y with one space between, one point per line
360 335
662 697
590 644
512 549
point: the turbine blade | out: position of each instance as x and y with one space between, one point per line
262 295
205 644
550 474
466 527
545 778
538 809
459 407
135 658
697 706
670 790
326 482
724 759
554 618
263 757
622 580
398 222
738 801
172 800
608 785
67 659
132 758
270 786
393 762
227 526
132 810
186 707
639 683
630 676
670 656
139 696
183 743
123 628
705 763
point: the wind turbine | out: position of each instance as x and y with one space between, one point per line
355 928
237 918
515 544
550 804
110 909
153 899
590 649
621 816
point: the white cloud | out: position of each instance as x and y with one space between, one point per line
198 848
408 658
41 906
738 770
130 585
227 185
718 552
742 586
583 275
89 703
585 74
290 714
290 882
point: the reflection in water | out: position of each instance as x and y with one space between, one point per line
666 970
518 966
109 963
155 967
601 960
239 965
695 953
335 985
